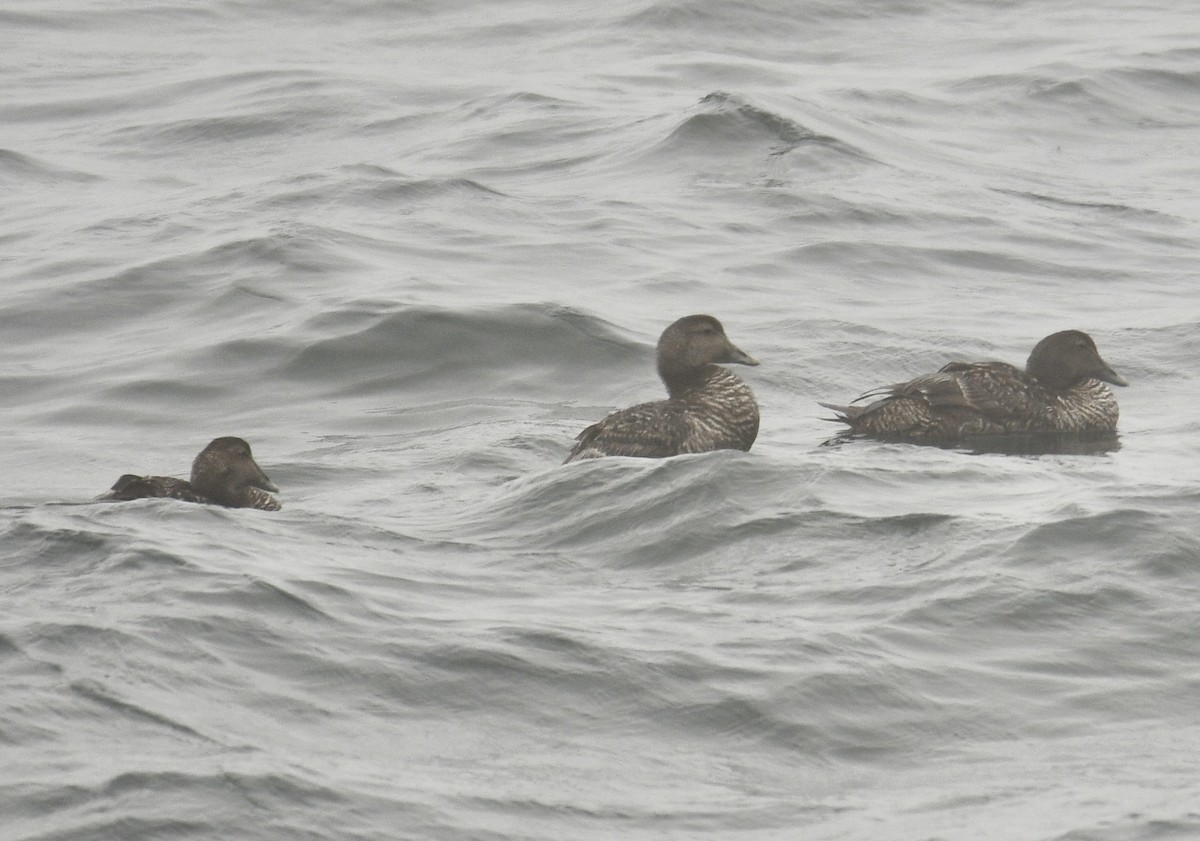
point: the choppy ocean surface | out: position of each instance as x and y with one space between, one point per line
408 250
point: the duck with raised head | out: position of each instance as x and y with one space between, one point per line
707 407
224 473
1061 391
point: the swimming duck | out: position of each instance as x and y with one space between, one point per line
224 473
1060 391
707 408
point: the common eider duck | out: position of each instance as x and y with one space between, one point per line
223 474
1061 391
708 407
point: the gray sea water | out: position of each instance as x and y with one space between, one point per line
408 250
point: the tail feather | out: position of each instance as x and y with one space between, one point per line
846 414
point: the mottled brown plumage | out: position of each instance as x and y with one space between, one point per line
224 473
708 407
1060 391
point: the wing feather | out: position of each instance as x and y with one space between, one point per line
984 388
648 430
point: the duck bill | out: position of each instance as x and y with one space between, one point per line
261 481
740 357
1110 376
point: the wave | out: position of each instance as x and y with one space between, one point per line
725 126
698 509
515 349
19 169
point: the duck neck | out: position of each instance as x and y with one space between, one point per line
680 381
1048 377
211 490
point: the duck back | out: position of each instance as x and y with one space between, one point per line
987 398
130 487
224 473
